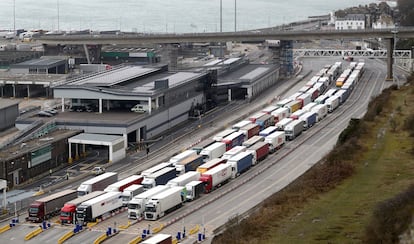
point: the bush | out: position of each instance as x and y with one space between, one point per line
409 125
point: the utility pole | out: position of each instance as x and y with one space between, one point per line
58 15
14 16
221 15
235 15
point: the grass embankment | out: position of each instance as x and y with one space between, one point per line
359 193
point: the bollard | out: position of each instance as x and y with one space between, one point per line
44 225
11 225
17 220
114 231
109 231
48 225
200 236
178 235
204 237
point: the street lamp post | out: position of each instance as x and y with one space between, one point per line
394 32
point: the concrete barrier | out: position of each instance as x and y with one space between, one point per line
157 229
136 240
100 239
5 228
65 237
194 230
33 234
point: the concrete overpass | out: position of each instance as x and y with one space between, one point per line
254 35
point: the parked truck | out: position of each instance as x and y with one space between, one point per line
68 211
280 114
275 140
253 140
283 123
95 208
130 192
189 164
194 190
259 151
269 109
182 156
163 203
155 168
309 119
98 183
210 164
182 180
240 124
240 163
216 177
293 129
255 116
234 139
203 144
309 106
321 111
159 178
332 103
215 150
297 114
158 239
233 152
293 106
265 121
250 130
124 183
219 136
49 206
136 206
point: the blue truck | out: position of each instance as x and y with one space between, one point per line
240 163
160 177
189 164
309 119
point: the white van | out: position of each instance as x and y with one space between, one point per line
139 108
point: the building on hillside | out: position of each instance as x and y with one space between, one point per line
351 22
384 22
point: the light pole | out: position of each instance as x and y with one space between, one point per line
394 32
58 15
235 15
221 15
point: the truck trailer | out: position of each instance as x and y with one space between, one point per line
332 103
124 183
46 207
203 144
95 208
219 136
240 124
182 180
280 114
321 110
98 183
234 139
189 164
136 206
250 130
253 140
240 163
309 119
275 140
155 168
210 164
216 177
158 239
194 190
283 123
130 192
163 203
265 121
233 152
215 150
68 211
182 156
259 151
293 129
159 178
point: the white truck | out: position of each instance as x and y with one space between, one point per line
216 176
321 110
294 129
155 168
130 192
233 152
182 156
182 180
160 177
95 208
219 136
97 183
309 106
282 124
136 206
194 189
215 150
275 140
280 114
240 124
332 103
163 203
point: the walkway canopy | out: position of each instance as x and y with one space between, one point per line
115 143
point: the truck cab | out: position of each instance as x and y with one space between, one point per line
36 212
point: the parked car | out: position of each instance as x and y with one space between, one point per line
98 170
44 114
51 111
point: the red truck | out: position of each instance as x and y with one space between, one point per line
124 183
259 150
216 176
49 206
68 211
250 130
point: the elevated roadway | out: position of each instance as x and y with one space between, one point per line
255 35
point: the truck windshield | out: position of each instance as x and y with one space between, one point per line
150 208
65 214
189 192
81 193
126 198
79 215
134 206
33 210
146 186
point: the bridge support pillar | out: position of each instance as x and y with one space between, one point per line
390 59
173 57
